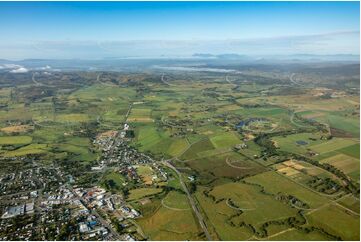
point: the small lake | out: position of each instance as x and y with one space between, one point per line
301 142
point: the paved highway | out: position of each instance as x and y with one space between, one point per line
191 201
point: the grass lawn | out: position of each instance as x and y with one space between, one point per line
140 115
289 142
103 92
146 173
202 145
177 147
294 235
332 145
117 178
168 224
275 183
350 202
345 163
113 115
229 164
228 139
351 125
28 150
148 136
336 221
48 135
138 193
217 215
263 112
177 200
15 140
150 139
74 117
352 150
257 207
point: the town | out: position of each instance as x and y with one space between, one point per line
43 204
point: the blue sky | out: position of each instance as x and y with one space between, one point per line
99 29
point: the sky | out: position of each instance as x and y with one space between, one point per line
117 29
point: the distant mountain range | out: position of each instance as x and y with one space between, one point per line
222 56
295 57
224 60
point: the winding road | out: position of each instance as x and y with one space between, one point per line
165 82
237 167
231 206
227 80
103 83
292 121
293 81
38 83
171 208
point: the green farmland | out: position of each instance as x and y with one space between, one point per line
181 155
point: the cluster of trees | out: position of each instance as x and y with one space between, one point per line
231 203
298 222
319 126
351 186
207 194
326 185
290 199
67 229
117 225
230 218
264 140
110 185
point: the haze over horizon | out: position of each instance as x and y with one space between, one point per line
94 30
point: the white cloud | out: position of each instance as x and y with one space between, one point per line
19 70
47 67
11 66
14 68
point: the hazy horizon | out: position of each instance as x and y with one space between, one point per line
94 30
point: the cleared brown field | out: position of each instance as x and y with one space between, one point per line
139 119
288 171
17 129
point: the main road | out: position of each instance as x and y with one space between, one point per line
191 201
105 223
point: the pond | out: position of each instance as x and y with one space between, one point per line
301 142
